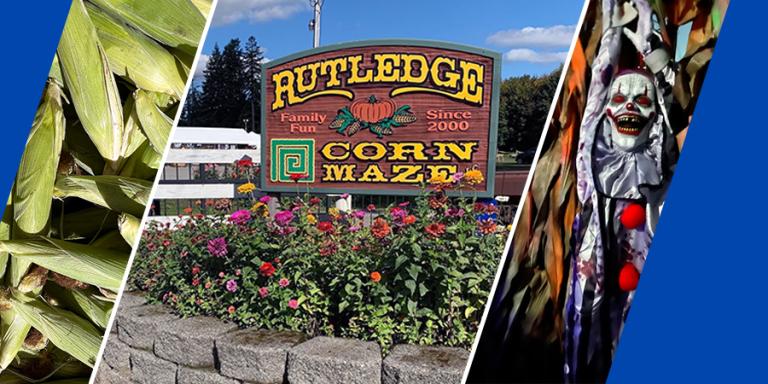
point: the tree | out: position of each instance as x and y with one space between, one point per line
252 59
223 92
524 106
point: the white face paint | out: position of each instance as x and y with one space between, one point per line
631 110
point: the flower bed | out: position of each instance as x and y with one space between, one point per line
419 273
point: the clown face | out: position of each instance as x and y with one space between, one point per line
631 110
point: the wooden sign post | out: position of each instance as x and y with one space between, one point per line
379 117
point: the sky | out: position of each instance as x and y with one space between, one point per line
532 35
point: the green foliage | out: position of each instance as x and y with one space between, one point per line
231 91
524 106
420 273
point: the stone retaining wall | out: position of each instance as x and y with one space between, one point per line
148 344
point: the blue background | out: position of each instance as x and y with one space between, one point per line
30 33
699 312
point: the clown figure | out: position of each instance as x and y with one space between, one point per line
625 159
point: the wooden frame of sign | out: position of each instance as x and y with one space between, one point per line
379 117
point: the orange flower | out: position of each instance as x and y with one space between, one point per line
435 229
410 219
380 228
375 277
188 210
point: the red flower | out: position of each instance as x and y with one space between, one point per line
195 282
371 207
195 270
380 228
375 276
314 201
267 269
325 226
298 176
410 219
435 229
245 162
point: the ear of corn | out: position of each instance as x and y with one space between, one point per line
176 23
154 123
90 83
85 177
69 332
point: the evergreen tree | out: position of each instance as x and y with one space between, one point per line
191 111
223 94
252 58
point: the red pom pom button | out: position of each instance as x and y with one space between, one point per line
628 277
633 216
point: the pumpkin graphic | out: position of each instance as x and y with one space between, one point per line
372 110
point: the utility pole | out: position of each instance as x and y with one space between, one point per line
314 24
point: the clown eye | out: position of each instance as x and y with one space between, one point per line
644 101
618 98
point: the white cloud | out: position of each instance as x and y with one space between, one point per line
255 11
530 37
531 56
202 62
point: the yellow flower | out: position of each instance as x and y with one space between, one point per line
439 178
246 188
260 206
333 211
473 176
311 219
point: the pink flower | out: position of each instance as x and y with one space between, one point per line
344 195
218 247
231 309
283 218
283 282
238 272
231 285
359 214
404 204
293 303
221 274
263 292
240 217
265 199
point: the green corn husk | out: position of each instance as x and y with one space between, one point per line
152 67
172 22
5 234
204 6
154 123
125 194
90 83
112 240
83 224
37 170
129 227
93 265
14 331
66 330
85 303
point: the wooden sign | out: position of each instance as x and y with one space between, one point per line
379 117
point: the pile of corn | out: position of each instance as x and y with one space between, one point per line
85 177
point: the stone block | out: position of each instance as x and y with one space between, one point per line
255 355
188 375
190 342
146 368
139 327
408 364
331 360
117 355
